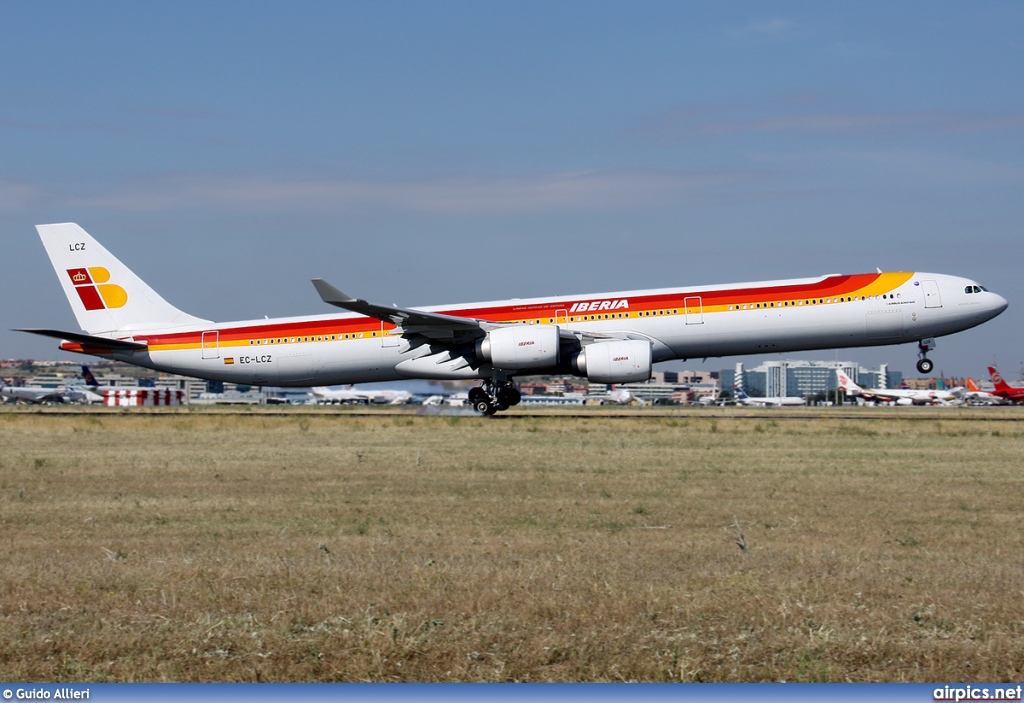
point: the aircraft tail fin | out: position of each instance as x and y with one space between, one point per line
847 384
997 380
739 393
972 386
106 296
90 380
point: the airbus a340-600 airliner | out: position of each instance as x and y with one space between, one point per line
606 337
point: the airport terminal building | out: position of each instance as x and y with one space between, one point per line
793 377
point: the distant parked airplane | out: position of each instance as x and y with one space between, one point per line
742 397
900 396
606 337
322 394
41 394
622 396
33 394
1004 389
975 393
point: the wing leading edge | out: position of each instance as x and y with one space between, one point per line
436 325
408 321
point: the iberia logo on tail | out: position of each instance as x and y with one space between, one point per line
95 292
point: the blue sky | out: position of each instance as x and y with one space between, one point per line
427 153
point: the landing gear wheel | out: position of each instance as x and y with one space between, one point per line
477 394
494 396
924 364
508 396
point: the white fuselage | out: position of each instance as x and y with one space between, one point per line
771 317
908 396
771 402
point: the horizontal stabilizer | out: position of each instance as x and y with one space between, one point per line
91 340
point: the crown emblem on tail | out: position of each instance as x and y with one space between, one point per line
94 291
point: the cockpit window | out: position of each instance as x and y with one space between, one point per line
975 289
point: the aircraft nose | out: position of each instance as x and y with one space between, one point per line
999 304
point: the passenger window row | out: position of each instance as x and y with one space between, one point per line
813 301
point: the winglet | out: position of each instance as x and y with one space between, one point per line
331 295
400 317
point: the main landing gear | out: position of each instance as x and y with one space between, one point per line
493 396
924 364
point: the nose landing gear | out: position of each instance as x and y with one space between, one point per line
924 364
494 396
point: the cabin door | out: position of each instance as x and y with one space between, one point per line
389 337
694 308
211 345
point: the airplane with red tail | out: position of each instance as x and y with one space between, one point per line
1004 389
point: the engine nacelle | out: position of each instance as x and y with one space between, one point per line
904 401
616 362
520 347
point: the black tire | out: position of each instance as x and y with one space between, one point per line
925 366
483 407
476 394
509 396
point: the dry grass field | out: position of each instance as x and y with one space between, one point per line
330 546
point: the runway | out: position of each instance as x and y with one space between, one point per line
861 414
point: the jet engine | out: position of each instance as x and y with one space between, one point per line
520 347
626 361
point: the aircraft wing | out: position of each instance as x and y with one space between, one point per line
409 321
432 324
